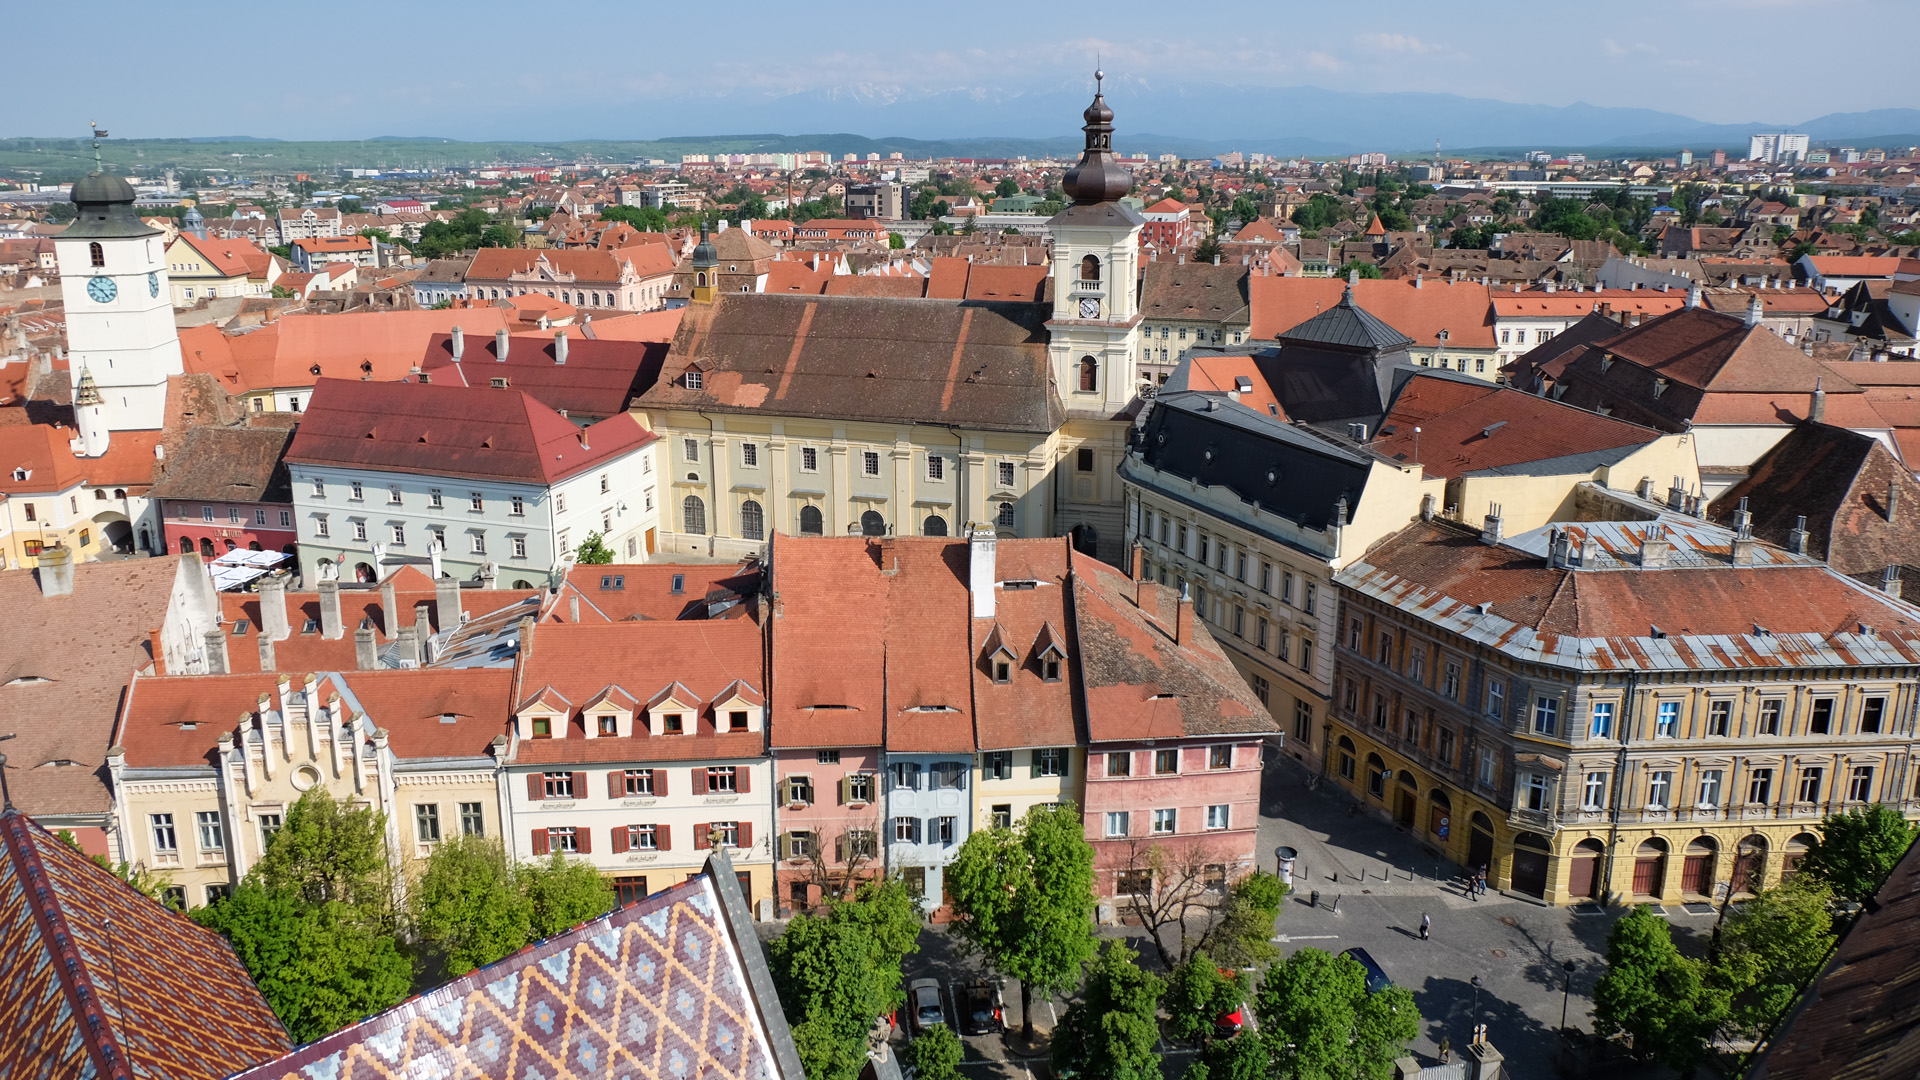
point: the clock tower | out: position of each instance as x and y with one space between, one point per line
1094 334
121 342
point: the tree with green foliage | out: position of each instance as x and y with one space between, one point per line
1197 993
1006 187
1367 271
439 239
1319 212
562 893
328 851
896 242
1109 1033
1242 1057
839 971
499 236
350 206
1245 209
466 908
644 218
1207 250
1319 1023
935 1054
1658 998
1024 898
1858 849
282 250
1242 930
1769 950
593 551
539 213
320 966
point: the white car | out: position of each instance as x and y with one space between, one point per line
924 1004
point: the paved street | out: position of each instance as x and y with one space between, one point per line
1375 881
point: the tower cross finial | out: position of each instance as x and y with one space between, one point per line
98 134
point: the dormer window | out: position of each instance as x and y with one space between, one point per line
609 725
694 380
1050 669
673 723
543 727
1002 671
737 720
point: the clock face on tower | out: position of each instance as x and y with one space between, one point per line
1090 307
153 284
102 289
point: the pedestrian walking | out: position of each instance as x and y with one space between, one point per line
1426 926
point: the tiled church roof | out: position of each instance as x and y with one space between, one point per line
663 989
97 980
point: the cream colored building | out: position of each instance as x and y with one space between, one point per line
198 795
1008 783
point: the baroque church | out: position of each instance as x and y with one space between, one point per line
830 415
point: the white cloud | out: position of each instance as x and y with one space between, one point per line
1397 43
1320 61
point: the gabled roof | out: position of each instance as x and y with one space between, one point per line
669 988
233 258
101 981
597 380
228 465
463 431
546 698
375 346
1469 426
1193 290
1415 310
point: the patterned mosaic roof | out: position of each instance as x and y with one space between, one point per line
654 991
97 980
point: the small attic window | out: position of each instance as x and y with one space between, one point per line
613 581
189 725
498 382
310 626
449 718
22 474
28 680
679 585
240 627
694 380
314 370
1019 585
1002 671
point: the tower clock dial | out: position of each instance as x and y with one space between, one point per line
102 289
1090 307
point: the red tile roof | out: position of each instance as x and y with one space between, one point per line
102 981
1467 427
454 431
234 258
1463 310
1220 374
598 378
620 591
584 266
378 346
828 643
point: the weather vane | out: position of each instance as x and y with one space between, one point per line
98 134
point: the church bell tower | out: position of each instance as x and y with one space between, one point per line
1094 334
121 341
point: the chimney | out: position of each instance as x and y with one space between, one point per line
56 571
266 652
559 346
489 573
1890 581
273 607
446 595
421 619
1653 548
1893 499
389 606
459 343
410 645
330 627
1742 536
1136 560
1183 617
500 342
981 541
1817 412
217 663
573 608
1797 539
1755 310
366 656
1560 549
1693 296
1490 532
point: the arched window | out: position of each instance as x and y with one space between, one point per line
872 524
1089 374
699 280
753 524
206 546
97 253
810 523
186 545
935 525
1090 268
694 513
1004 519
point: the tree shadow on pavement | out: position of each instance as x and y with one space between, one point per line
1447 1010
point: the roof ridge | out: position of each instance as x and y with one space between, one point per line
89 1019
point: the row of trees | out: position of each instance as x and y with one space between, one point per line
1760 959
320 926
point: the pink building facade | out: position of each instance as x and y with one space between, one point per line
828 808
1199 799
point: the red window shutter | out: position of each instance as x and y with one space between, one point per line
579 785
700 835
742 777
746 834
616 785
619 839
584 836
660 784
539 841
699 781
663 837
536 786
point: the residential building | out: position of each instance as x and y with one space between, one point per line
1648 710
197 797
312 253
308 223
583 377
202 269
1448 324
82 939
1525 320
888 202
640 746
1777 148
633 278
1169 226
443 281
1189 305
87 507
487 476
227 488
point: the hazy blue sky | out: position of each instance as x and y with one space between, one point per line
493 69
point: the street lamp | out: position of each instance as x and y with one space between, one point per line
1475 1035
1566 995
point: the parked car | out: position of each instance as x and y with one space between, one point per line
924 1004
980 1008
1376 976
1239 1018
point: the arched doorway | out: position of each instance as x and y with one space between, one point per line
116 530
522 583
253 545
1407 798
1439 814
1696 871
1480 846
1650 868
811 524
363 572
206 546
1346 759
146 539
1376 777
186 545
1749 864
1795 854
1530 855
1584 879
935 525
1085 540
230 544
872 524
